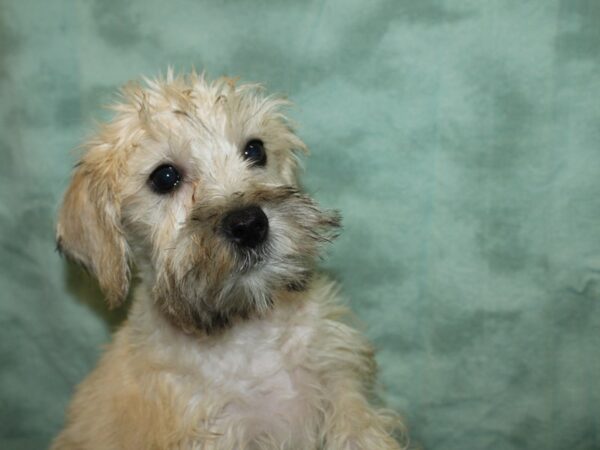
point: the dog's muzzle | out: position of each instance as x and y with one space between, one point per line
246 227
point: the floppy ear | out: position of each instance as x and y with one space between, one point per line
89 230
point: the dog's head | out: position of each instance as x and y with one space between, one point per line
195 183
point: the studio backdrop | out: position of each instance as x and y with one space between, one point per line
459 139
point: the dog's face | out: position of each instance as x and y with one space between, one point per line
195 183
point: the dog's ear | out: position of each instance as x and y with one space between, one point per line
89 226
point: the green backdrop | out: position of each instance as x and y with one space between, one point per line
460 140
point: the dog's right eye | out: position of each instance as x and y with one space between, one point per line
164 179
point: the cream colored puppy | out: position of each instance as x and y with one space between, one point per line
232 342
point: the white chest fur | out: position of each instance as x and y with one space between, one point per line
250 384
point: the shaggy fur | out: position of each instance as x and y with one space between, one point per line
223 349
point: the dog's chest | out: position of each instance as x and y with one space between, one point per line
259 382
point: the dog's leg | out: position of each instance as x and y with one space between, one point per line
348 371
353 424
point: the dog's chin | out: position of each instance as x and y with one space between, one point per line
193 305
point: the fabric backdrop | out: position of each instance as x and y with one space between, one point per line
460 140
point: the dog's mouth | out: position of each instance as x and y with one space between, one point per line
252 260
238 256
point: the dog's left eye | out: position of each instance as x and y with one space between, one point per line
254 151
164 179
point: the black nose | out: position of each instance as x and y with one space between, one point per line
247 227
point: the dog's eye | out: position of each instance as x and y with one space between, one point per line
164 179
254 151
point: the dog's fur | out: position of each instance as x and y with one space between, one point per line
222 349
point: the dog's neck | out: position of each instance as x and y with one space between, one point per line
147 318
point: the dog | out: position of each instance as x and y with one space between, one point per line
232 341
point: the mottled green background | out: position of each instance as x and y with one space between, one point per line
460 139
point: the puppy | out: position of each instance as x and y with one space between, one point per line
232 342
